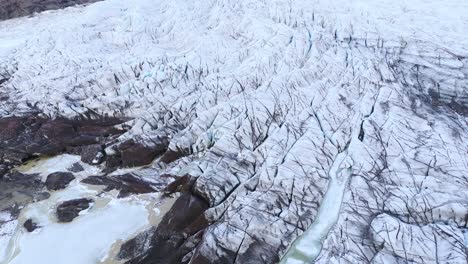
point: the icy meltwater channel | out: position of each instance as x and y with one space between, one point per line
307 247
89 238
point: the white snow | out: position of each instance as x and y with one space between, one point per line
7 228
85 240
465 234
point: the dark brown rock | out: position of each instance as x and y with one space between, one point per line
178 231
180 184
172 155
58 180
30 226
76 167
136 246
127 184
113 162
92 154
258 252
69 210
23 138
135 154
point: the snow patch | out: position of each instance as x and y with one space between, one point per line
7 228
87 239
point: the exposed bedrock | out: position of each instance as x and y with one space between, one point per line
17 8
22 138
178 233
30 225
69 210
126 184
58 180
92 154
136 152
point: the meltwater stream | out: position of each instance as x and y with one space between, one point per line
307 247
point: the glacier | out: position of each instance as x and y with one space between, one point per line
257 131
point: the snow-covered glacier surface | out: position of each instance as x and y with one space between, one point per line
311 131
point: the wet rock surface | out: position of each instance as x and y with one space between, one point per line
17 190
126 184
69 210
58 180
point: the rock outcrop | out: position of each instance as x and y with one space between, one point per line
126 184
22 138
58 180
69 210
176 235
30 225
